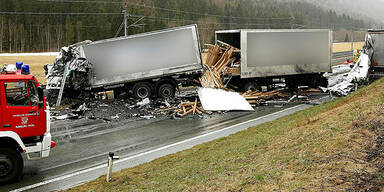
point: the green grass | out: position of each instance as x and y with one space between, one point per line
302 151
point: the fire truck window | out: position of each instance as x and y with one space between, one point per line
16 93
33 94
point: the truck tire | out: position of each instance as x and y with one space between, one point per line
166 91
142 90
253 86
11 165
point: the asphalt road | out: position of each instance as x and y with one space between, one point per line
83 158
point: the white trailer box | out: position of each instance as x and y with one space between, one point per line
280 52
143 56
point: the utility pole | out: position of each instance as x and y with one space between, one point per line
125 21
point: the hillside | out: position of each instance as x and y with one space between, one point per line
371 9
336 146
47 25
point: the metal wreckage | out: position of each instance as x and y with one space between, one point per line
346 78
70 69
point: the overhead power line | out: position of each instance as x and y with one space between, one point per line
200 23
167 9
53 13
141 16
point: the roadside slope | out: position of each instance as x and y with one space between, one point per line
334 146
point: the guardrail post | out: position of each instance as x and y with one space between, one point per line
111 157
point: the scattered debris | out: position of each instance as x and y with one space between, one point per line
144 102
61 117
186 108
223 62
256 97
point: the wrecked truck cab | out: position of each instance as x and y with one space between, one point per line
146 65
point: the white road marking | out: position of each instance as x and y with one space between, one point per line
146 153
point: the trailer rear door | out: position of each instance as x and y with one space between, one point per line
266 53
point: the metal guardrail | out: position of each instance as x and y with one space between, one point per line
342 55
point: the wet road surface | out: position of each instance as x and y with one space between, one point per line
127 139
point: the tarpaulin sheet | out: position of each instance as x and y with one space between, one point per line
221 100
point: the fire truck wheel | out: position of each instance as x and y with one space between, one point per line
11 165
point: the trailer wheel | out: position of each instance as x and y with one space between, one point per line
11 165
166 91
142 90
253 86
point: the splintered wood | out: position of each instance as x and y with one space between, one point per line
218 64
256 97
186 108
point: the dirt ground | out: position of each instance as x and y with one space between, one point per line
342 47
36 64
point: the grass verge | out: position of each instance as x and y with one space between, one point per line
335 146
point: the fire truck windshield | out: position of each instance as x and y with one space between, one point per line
16 93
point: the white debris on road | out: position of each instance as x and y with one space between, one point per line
144 102
221 100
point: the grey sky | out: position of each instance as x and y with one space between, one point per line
369 8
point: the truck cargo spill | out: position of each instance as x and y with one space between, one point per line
231 79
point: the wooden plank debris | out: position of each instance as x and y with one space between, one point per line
256 97
186 108
220 62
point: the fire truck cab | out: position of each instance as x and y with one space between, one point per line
24 122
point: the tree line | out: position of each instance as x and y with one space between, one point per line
47 25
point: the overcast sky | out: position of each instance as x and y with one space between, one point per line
371 8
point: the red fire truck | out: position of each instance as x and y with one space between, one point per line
24 121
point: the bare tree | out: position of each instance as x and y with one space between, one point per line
1 33
10 34
22 37
59 35
48 36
